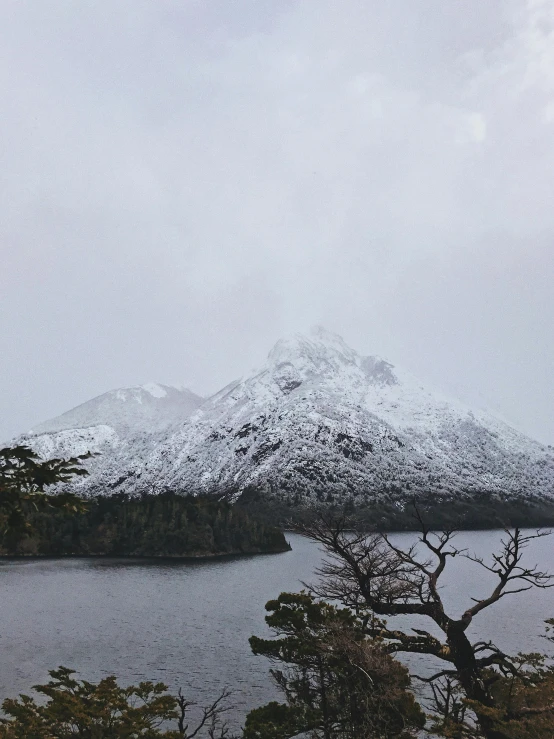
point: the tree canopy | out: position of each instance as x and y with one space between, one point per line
336 681
77 709
374 578
24 479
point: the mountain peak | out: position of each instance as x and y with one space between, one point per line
318 422
148 407
322 353
312 350
322 334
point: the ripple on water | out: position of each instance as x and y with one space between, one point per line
187 624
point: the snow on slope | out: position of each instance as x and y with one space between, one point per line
73 442
320 422
106 423
149 407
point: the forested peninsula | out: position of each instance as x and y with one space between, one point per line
165 525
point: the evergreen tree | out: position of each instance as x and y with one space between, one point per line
77 709
337 683
151 525
24 478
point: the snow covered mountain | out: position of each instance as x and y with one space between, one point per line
319 422
111 419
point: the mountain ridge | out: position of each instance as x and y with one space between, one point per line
126 407
320 423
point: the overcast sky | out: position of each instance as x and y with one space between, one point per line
183 182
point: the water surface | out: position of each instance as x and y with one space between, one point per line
187 623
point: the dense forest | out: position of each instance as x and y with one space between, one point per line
387 513
165 525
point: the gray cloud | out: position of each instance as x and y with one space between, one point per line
183 182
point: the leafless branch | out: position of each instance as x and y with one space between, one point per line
210 718
375 577
507 567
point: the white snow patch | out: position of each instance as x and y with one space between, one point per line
72 442
155 390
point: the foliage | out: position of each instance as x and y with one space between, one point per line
521 706
524 701
337 683
24 478
471 512
151 525
77 709
373 577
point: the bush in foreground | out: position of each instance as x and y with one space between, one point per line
77 709
337 682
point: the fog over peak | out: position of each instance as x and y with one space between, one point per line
182 183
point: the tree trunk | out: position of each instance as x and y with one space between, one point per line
324 706
470 679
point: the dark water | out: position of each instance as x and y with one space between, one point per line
187 624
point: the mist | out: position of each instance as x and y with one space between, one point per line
182 183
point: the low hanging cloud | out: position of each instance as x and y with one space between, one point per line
183 182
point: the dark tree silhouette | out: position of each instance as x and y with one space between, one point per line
373 577
338 684
211 722
78 709
24 478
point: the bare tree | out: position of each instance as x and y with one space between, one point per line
211 722
374 577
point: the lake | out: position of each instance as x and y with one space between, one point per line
187 623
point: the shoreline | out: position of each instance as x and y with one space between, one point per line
192 557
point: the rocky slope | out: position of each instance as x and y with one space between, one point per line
319 422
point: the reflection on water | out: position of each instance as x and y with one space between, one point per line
187 624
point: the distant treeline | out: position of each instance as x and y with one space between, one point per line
166 525
470 512
175 525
